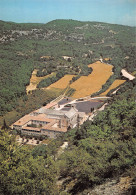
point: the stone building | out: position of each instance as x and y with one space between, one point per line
49 122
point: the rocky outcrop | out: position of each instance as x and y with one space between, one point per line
13 35
125 186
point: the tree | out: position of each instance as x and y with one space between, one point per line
5 126
20 173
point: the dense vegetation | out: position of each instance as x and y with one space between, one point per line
21 173
99 149
103 148
27 104
23 45
48 81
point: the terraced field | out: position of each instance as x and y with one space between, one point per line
84 86
62 83
87 85
115 84
34 81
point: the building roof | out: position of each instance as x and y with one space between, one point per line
32 129
71 112
53 112
41 117
51 128
58 113
46 115
82 114
24 120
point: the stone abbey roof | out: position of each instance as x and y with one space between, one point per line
50 116
27 118
68 114
43 116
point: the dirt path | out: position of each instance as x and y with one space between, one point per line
61 149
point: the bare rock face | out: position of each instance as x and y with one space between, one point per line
13 35
125 186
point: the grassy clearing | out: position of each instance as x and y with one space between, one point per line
62 83
54 90
34 81
35 100
115 84
9 117
87 85
134 73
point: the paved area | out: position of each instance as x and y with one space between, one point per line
87 106
65 101
83 105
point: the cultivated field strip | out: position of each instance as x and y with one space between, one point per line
62 83
34 81
87 85
115 84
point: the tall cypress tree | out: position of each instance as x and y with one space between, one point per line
5 126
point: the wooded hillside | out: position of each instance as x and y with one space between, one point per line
99 150
23 45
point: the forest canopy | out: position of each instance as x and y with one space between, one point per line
23 45
99 149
